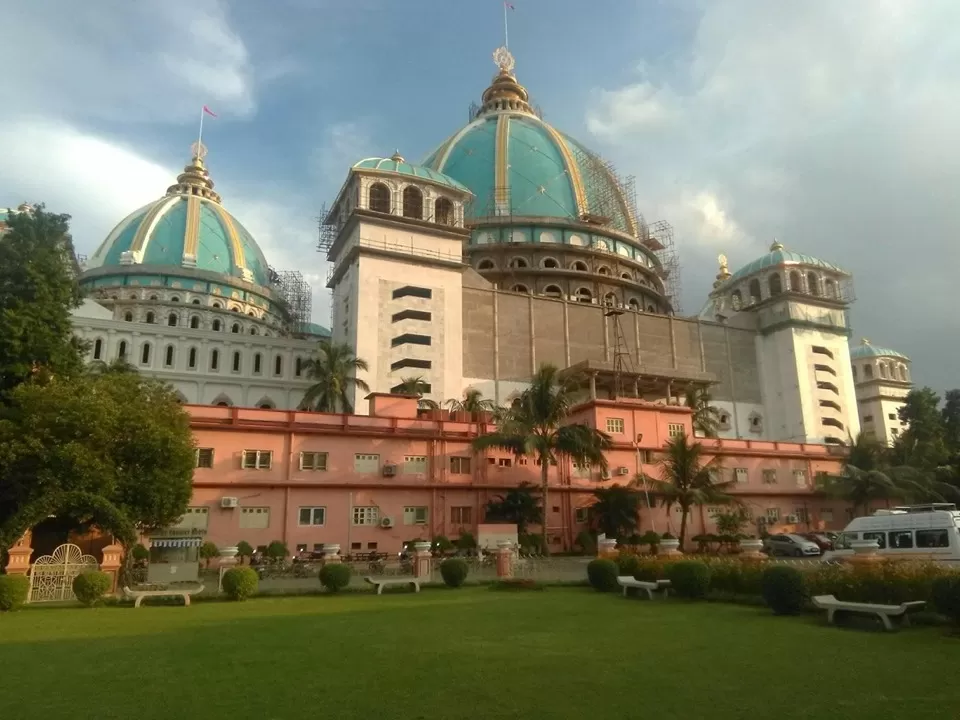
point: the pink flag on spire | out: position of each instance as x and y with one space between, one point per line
509 5
209 112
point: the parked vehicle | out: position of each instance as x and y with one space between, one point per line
923 532
822 540
791 544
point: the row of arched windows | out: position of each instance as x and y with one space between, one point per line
381 200
549 263
170 353
195 323
585 295
808 283
887 371
216 304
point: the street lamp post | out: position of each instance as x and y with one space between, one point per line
646 490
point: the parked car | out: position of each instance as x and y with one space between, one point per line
791 544
823 540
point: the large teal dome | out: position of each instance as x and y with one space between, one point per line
517 165
188 228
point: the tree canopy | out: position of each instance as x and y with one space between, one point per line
334 370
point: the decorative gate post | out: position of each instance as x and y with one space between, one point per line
18 562
422 560
111 564
504 559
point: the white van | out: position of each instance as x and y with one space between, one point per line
919 532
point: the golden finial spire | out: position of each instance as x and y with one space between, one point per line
195 180
505 93
777 245
724 273
864 341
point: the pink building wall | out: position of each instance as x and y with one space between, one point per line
454 500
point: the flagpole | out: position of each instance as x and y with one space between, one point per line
200 134
506 37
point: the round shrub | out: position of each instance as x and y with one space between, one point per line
946 596
454 571
602 574
628 564
335 576
239 583
13 591
783 589
140 553
651 569
90 587
689 579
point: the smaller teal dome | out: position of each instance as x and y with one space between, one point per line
778 256
312 328
398 166
866 350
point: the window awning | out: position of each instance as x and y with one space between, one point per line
176 542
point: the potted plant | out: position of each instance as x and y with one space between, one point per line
669 545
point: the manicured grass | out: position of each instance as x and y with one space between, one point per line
469 653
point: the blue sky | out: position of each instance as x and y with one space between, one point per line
827 125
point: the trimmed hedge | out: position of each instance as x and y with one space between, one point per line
628 563
13 591
454 571
90 587
689 579
335 576
784 590
239 583
946 597
602 574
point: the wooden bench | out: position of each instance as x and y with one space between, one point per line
627 582
185 592
884 612
382 581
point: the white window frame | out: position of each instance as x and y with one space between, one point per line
366 515
314 511
826 515
415 515
675 430
616 426
313 460
800 477
252 512
195 511
364 463
461 508
772 514
769 476
461 460
256 459
414 464
581 515
742 475
196 457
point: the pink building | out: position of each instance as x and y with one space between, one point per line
370 482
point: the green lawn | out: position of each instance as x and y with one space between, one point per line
471 653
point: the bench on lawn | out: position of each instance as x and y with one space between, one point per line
884 612
185 592
627 582
382 581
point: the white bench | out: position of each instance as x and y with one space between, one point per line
138 595
884 612
382 581
627 582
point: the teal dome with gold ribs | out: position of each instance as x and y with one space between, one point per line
518 165
187 228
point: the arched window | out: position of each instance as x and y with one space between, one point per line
651 309
813 287
610 300
174 299
235 309
518 263
736 298
257 361
214 359
253 330
192 359
236 362
603 270
145 354
883 370
172 320
520 289
583 295
196 301
796 282
298 368
775 284
443 211
128 316
217 325
380 198
485 264
122 350
97 349
168 356
154 297
133 297
412 202
755 295
217 305
635 305
868 372
550 263
151 318
625 276
553 291
579 266
278 365
235 328
903 373
830 288
195 322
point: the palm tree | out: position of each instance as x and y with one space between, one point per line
118 366
472 402
334 368
706 418
688 481
536 425
416 386
519 506
615 511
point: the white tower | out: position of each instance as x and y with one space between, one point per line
396 247
882 380
798 304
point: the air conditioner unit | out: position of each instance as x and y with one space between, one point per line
389 470
623 470
229 502
386 522
791 519
605 475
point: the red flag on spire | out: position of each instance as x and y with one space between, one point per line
509 5
209 112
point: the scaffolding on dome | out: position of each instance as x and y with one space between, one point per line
296 296
328 227
661 241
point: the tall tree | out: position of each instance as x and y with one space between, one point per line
688 481
950 416
472 402
537 425
38 289
334 371
922 444
706 418
866 453
521 506
615 511
416 386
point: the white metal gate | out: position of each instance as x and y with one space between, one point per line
51 576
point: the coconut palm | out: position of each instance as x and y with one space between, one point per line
472 402
615 511
536 425
861 488
118 366
416 386
706 418
688 481
334 369
520 506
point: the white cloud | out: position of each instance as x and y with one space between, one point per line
634 108
342 145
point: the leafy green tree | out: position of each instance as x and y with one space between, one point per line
706 418
866 453
208 551
521 506
537 425
688 481
334 371
922 444
113 451
472 402
38 289
114 367
615 511
244 550
950 416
